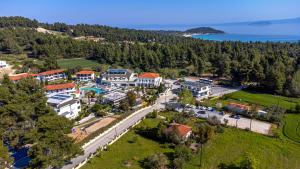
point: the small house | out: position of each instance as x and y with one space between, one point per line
183 131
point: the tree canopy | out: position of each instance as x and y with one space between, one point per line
27 120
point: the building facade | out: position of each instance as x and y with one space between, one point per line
149 80
119 77
65 105
66 88
52 75
199 90
85 75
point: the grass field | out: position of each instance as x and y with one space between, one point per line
261 99
72 63
232 145
291 128
125 154
227 147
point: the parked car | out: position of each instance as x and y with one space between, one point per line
222 113
210 109
201 112
237 117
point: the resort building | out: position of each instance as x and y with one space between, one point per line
199 90
85 75
65 105
119 77
149 80
114 98
66 88
20 76
3 64
52 75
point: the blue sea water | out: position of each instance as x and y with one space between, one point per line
249 38
288 32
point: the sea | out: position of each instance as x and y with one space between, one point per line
256 33
286 32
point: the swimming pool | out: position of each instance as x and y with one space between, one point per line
95 89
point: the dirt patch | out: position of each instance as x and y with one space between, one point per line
80 133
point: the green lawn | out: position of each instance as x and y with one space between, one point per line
122 151
232 145
227 147
291 128
261 99
72 63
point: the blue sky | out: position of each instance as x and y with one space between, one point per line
147 12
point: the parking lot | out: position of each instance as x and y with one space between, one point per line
244 123
235 121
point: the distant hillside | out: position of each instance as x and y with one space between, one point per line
260 23
203 30
264 22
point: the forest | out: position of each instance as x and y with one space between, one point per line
273 67
27 121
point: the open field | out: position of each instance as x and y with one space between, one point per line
291 128
227 147
72 63
261 99
129 151
232 145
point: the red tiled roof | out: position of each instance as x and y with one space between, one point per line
241 106
59 86
149 75
182 130
50 72
85 72
21 76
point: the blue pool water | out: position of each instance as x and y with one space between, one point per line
97 90
249 38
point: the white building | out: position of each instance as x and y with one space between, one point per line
119 77
65 105
85 75
149 80
66 88
114 98
52 75
3 64
199 90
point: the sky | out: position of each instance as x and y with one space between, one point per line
128 13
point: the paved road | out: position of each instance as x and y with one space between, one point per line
124 125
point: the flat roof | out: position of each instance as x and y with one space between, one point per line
115 96
195 84
59 98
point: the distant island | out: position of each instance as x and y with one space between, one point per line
193 31
203 30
